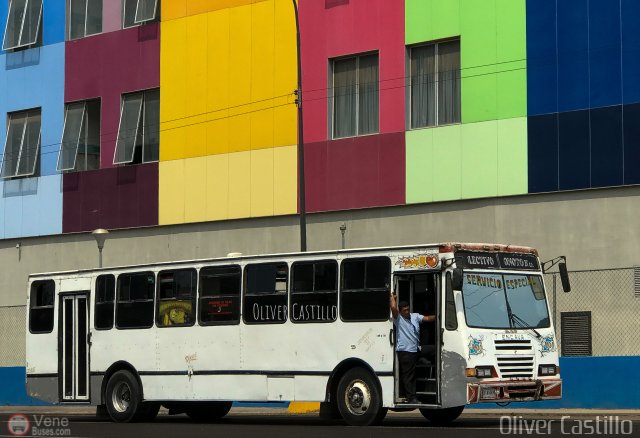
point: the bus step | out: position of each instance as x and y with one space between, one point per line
425 392
425 379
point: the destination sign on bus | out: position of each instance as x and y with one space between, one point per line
487 260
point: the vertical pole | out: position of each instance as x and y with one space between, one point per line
100 257
554 302
301 185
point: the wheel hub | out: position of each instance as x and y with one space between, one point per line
358 397
121 397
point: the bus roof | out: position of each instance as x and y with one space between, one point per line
442 247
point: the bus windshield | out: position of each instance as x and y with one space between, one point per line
504 301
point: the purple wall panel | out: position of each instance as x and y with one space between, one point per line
357 172
120 197
108 65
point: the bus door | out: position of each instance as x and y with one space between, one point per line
421 291
73 348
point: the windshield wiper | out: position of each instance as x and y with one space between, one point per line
516 320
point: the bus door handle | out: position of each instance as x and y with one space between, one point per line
89 339
392 337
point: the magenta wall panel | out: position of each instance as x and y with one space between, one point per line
119 197
333 28
108 65
356 172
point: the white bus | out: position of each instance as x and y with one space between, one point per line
194 336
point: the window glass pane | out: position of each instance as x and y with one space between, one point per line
151 128
77 12
449 82
266 293
219 295
302 277
104 306
423 86
267 278
366 305
315 296
41 306
74 117
89 146
94 17
130 13
325 276
450 318
31 25
344 102
216 281
128 135
146 10
176 297
30 145
353 274
14 24
135 300
368 96
378 274
365 295
13 144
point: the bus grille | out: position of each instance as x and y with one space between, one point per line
510 345
515 366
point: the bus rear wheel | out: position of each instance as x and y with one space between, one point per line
123 397
442 417
209 411
359 399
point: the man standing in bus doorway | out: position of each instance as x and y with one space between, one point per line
407 344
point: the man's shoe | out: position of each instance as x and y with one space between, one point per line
414 401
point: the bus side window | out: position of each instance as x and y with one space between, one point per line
104 305
219 295
176 300
134 307
41 306
364 295
265 293
314 291
450 317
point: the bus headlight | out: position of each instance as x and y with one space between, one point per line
482 372
548 370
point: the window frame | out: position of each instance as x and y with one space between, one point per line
38 35
158 299
364 289
245 294
140 124
409 93
332 100
86 15
292 268
83 134
50 307
201 297
117 300
113 303
450 309
34 168
135 22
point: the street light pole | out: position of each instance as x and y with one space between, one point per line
301 185
100 235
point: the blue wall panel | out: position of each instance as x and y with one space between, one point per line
543 153
606 147
573 55
542 66
630 51
631 119
574 164
605 70
54 22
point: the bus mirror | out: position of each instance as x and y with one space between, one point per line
564 277
456 280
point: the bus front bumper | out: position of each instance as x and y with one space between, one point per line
513 391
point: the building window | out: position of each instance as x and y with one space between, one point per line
220 295
139 134
435 84
23 24
134 308
265 300
176 298
84 18
365 289
22 145
356 99
80 146
314 291
138 12
41 306
104 305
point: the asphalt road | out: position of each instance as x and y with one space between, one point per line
283 425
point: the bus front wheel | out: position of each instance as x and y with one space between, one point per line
442 417
359 399
123 397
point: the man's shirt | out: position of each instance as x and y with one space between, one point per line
408 332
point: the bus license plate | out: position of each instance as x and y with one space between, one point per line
488 393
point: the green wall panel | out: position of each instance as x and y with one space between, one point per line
512 157
419 182
480 159
447 163
428 20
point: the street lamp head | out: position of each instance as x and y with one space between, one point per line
100 235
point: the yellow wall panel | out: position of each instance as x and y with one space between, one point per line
239 57
217 54
262 182
285 180
262 51
217 200
262 129
172 9
218 133
171 192
195 188
285 53
197 63
285 125
239 133
240 185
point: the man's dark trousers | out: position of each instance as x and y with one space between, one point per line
407 363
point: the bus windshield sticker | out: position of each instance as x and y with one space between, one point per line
418 261
518 261
488 260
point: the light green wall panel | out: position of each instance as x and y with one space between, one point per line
512 157
428 20
419 176
447 163
480 159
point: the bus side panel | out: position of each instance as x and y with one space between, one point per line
205 387
388 388
453 381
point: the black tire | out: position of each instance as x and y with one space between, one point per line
207 411
442 417
329 411
359 398
123 397
147 412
